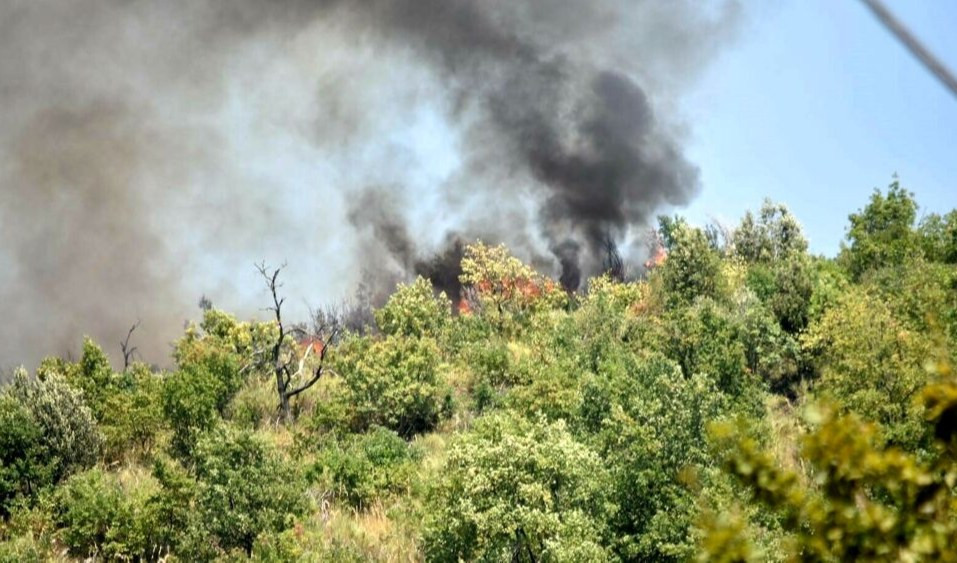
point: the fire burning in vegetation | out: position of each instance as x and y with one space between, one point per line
142 170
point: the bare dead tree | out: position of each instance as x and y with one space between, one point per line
290 369
129 352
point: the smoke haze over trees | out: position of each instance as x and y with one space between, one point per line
151 152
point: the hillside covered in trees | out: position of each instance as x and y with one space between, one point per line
742 400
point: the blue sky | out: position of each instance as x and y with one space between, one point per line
815 105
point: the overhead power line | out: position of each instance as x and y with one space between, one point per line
913 44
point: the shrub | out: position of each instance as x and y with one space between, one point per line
25 464
414 311
27 533
245 489
22 549
651 423
871 364
68 432
364 468
863 500
178 524
518 490
133 416
255 404
99 517
195 397
392 383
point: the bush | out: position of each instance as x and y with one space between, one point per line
28 532
362 469
195 397
414 311
22 549
68 432
872 365
392 383
651 422
862 500
179 527
99 517
133 416
255 404
25 465
245 489
693 267
518 490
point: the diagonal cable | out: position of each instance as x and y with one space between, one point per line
913 44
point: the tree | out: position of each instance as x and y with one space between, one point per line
863 501
871 365
289 375
129 352
392 383
245 489
938 237
194 398
133 415
25 464
882 233
693 267
649 423
705 339
414 311
503 286
775 235
68 430
93 375
515 490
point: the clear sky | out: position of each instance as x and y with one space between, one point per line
815 105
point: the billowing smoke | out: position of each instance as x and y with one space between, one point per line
150 152
575 132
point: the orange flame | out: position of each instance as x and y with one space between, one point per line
658 258
312 344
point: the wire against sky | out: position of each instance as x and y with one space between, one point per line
914 45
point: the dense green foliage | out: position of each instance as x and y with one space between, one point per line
519 490
739 399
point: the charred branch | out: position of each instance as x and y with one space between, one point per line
287 364
129 352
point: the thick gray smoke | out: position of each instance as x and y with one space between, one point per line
565 117
150 152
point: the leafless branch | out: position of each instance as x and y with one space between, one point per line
283 366
129 352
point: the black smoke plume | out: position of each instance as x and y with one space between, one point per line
151 152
